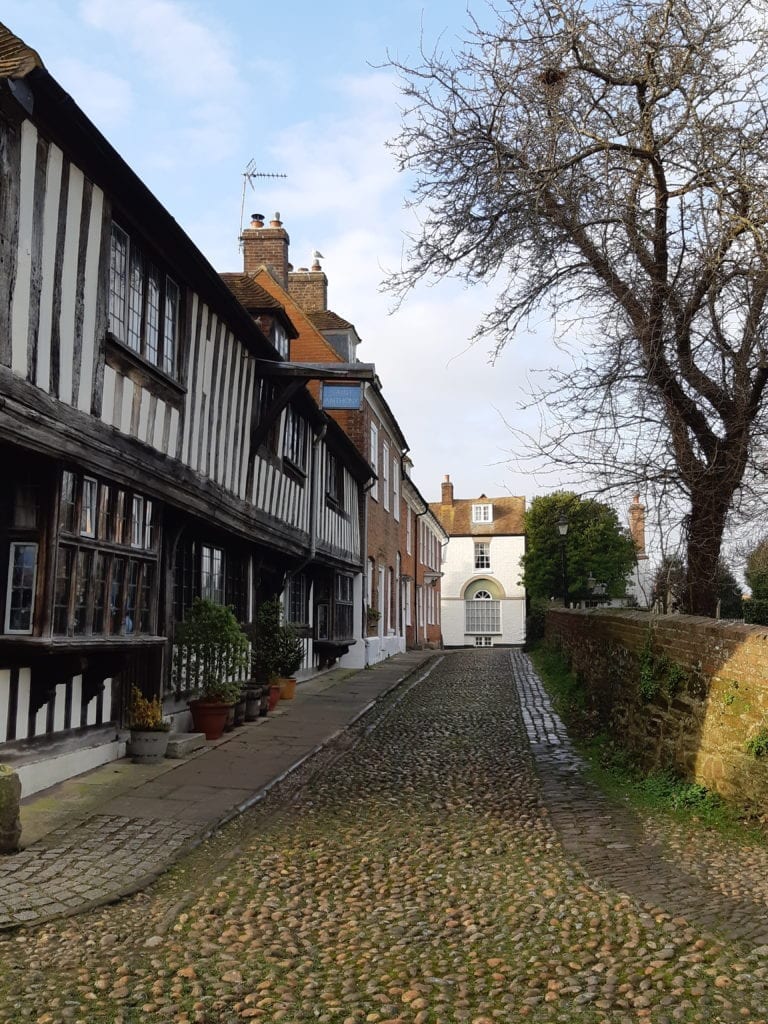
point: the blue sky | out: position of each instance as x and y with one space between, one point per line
190 92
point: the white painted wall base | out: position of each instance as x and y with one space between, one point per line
38 775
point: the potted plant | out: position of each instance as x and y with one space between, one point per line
290 654
372 616
149 733
264 636
213 651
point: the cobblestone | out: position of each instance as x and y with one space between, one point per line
435 866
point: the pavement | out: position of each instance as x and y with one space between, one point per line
110 832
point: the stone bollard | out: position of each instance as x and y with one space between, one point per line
10 822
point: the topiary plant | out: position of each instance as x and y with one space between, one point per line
213 650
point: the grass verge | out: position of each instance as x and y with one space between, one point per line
613 769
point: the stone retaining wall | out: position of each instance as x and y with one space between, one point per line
711 682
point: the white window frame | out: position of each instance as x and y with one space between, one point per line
482 614
408 530
385 474
482 513
482 555
91 510
9 590
396 488
375 461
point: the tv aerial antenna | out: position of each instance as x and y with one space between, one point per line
249 174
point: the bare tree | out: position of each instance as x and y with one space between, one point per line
609 160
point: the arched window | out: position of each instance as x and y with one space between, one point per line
482 595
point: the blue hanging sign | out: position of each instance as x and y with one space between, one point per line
342 396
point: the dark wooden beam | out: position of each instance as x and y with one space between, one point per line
317 371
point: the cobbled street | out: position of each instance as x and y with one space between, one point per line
444 861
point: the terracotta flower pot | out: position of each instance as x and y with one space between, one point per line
287 688
209 717
274 695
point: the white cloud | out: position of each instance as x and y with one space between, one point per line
190 59
107 98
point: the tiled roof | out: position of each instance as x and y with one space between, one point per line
327 320
456 519
16 58
255 298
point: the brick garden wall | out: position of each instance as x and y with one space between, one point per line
698 724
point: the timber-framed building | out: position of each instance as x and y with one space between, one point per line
156 446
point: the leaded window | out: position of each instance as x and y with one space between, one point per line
144 303
20 601
295 440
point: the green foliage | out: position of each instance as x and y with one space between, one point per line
146 715
595 545
290 651
264 634
212 649
565 688
757 572
756 611
617 772
659 673
728 592
757 745
536 620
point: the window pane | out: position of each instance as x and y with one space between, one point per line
82 591
116 595
145 602
119 518
297 599
170 325
152 326
22 570
88 507
67 504
100 592
137 522
118 281
26 502
135 300
149 534
61 591
105 513
131 594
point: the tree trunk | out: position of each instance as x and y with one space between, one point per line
705 535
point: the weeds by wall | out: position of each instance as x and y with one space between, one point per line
680 692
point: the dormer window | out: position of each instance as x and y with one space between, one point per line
482 513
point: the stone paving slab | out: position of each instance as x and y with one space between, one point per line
117 830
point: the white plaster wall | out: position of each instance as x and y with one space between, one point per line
459 570
459 564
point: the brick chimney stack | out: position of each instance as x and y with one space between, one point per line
637 526
309 287
447 491
266 247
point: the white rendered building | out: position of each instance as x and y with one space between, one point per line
483 600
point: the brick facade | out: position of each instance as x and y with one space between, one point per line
697 725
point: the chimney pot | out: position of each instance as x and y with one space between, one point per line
446 496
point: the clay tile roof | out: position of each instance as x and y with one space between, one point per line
256 299
456 519
16 58
327 320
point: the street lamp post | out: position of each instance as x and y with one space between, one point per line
562 529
